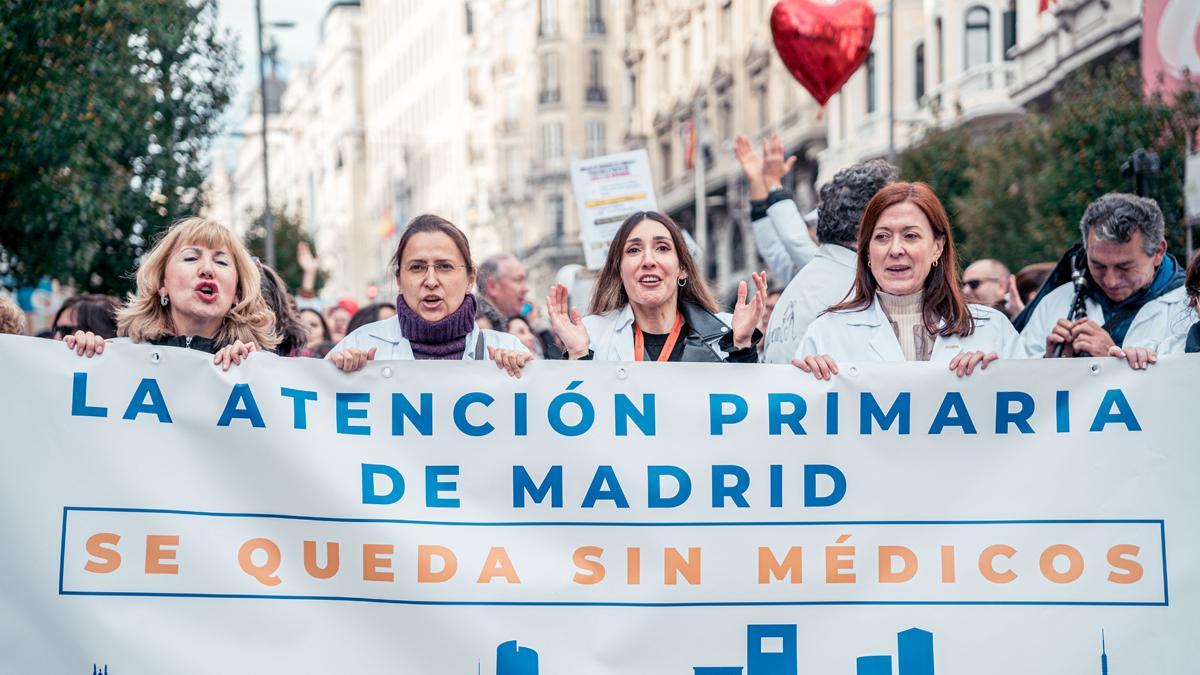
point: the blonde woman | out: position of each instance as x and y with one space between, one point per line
198 288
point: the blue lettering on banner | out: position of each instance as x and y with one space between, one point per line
1114 409
778 418
654 496
345 413
435 486
718 418
523 484
300 399
370 496
1006 416
79 406
870 411
241 405
587 412
460 414
737 492
148 399
605 486
627 412
422 418
952 413
811 473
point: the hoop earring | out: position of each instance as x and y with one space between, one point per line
935 263
162 299
683 282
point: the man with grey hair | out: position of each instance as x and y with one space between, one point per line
1134 290
827 278
502 295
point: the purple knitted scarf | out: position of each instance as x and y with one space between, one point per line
441 340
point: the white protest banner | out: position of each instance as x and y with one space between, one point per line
607 190
158 515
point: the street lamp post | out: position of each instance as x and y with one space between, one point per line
269 244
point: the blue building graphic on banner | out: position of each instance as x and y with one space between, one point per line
770 650
914 649
512 659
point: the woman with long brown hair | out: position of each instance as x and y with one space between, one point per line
651 304
906 303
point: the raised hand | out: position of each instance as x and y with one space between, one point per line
305 258
566 323
746 315
752 166
775 167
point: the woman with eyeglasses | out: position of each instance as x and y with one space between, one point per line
435 311
198 288
906 303
651 304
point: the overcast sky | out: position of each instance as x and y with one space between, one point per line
297 46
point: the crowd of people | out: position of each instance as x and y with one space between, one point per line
872 274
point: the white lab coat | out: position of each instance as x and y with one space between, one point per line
1160 325
782 240
867 335
822 283
391 345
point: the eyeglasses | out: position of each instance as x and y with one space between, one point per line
974 284
441 268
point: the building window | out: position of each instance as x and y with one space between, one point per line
725 116
764 105
595 89
633 89
595 19
595 138
870 66
556 214
548 19
1010 29
941 51
552 141
470 20
549 90
978 43
664 150
919 72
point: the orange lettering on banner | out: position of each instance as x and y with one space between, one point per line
156 554
674 565
907 572
948 565
837 559
1074 564
987 566
633 565
583 559
376 567
332 559
1132 568
264 573
112 559
769 566
425 573
498 565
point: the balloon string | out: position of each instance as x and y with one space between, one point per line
821 113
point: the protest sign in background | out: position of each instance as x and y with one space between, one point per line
159 515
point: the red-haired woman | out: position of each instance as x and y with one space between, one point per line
906 303
651 304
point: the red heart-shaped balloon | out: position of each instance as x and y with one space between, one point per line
822 44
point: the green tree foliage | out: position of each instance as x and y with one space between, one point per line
288 235
1017 193
107 109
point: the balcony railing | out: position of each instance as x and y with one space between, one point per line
595 26
596 94
548 96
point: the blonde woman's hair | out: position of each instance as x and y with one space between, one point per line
145 318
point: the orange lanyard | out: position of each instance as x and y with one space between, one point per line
639 341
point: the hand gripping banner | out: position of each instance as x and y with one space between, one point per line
159 515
